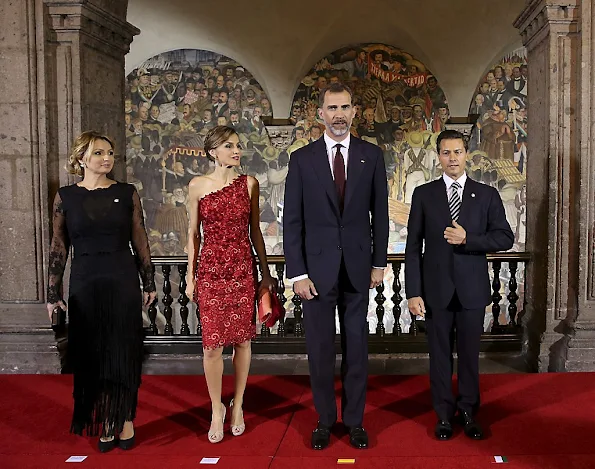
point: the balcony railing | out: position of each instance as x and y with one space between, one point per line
173 324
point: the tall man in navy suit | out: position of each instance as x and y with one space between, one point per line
335 237
457 221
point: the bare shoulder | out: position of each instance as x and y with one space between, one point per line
197 186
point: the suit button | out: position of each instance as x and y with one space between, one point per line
342 227
339 248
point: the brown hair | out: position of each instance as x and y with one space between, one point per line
333 88
217 136
81 147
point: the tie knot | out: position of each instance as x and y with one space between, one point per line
455 186
338 147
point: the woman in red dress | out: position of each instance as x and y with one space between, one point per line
224 282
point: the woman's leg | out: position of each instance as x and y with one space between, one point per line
213 366
242 355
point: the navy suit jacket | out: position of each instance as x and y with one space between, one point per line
444 268
315 233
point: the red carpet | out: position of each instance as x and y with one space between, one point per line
534 421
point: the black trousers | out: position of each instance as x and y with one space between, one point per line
442 326
319 322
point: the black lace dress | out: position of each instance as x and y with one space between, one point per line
105 334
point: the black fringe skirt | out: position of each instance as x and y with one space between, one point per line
105 341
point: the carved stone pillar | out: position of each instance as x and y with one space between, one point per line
557 34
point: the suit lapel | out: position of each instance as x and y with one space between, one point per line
322 170
467 201
442 201
355 164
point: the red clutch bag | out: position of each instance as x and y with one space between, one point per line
270 309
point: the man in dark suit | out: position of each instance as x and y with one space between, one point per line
458 221
335 238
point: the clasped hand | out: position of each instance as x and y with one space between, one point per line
455 234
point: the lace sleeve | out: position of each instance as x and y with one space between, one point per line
58 252
140 244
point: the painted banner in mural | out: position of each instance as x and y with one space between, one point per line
399 106
498 145
172 100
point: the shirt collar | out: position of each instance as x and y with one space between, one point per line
449 181
330 143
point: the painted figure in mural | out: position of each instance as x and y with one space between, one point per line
454 221
225 205
101 218
335 237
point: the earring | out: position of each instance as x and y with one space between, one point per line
81 164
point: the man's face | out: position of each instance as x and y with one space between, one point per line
222 120
321 83
369 115
186 111
144 80
399 135
443 113
498 72
143 113
215 98
485 87
229 73
315 133
395 114
479 99
239 74
524 70
378 58
337 113
250 94
500 86
127 119
452 157
210 82
233 104
257 112
516 72
223 97
432 83
207 115
362 56
494 85
237 93
220 81
204 93
264 102
490 76
299 134
235 118
406 113
215 72
154 112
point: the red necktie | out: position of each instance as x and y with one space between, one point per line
339 172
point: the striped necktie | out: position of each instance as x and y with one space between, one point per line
454 201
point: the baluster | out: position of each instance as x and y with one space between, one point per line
380 309
167 300
397 298
496 297
153 318
281 295
297 313
183 300
512 294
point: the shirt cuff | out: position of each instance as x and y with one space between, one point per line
375 267
299 277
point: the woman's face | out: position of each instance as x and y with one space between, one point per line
229 152
100 158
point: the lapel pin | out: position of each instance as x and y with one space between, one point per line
362 161
116 200
472 194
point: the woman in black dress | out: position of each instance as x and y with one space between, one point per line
103 221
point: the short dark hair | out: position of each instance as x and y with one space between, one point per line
333 88
451 135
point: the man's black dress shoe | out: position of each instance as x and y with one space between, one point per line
443 430
358 437
470 426
321 436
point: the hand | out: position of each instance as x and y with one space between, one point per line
416 306
189 288
376 277
305 289
149 297
268 282
52 306
455 234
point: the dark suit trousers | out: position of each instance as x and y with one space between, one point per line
319 322
442 326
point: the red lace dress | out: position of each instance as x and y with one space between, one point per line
225 287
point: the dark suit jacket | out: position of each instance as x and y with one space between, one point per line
316 235
442 268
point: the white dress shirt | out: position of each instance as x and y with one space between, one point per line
330 152
449 181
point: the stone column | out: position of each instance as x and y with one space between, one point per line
557 35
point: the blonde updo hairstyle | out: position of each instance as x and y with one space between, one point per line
81 149
216 137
